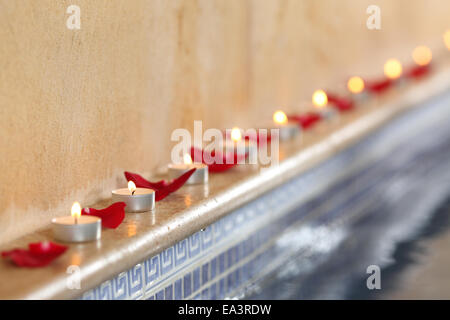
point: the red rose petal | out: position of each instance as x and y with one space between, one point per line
307 120
258 138
226 162
417 71
162 188
378 86
220 167
38 254
46 247
143 183
174 185
111 217
340 103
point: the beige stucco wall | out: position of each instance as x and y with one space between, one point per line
79 107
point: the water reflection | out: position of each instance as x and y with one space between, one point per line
187 200
131 229
75 259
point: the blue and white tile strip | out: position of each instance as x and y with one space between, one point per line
239 249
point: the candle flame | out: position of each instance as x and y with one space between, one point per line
280 117
393 69
355 84
422 55
320 98
131 186
187 159
76 210
447 39
236 134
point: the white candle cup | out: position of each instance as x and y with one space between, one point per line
361 98
141 201
328 113
200 176
401 82
83 229
287 131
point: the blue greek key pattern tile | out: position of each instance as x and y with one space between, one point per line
151 269
104 291
181 252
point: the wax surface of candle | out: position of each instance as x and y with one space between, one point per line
71 221
139 191
182 166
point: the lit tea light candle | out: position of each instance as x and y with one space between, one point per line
393 69
447 39
246 149
235 144
200 176
286 129
422 56
238 145
356 86
136 199
320 101
77 228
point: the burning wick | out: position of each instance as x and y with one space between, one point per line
131 187
76 211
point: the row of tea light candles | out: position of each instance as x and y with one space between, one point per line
82 228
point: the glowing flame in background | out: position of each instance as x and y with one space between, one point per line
320 98
280 117
393 69
355 84
447 39
187 159
422 55
236 134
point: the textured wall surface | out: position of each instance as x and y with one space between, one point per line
77 107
